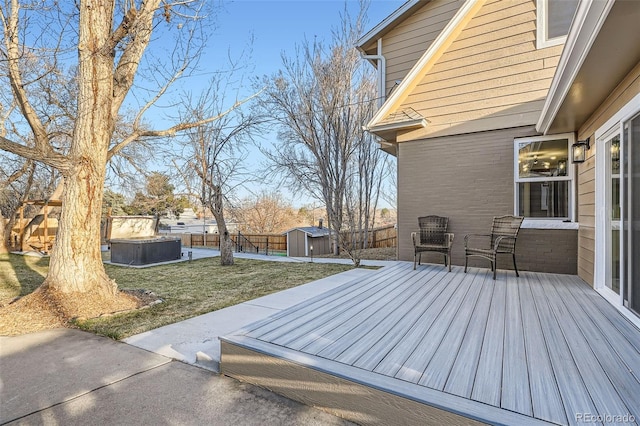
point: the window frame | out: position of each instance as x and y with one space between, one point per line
542 41
570 176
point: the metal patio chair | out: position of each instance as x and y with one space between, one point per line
502 240
433 236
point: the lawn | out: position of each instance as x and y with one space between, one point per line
187 289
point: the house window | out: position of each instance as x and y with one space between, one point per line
554 19
544 177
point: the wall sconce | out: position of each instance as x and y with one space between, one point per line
579 151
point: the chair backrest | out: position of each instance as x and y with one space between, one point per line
507 226
432 229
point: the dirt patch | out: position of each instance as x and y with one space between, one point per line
46 309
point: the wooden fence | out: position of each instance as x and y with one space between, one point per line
383 237
255 243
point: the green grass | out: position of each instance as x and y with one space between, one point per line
187 288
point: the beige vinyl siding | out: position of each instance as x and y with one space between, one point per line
403 46
586 217
621 95
492 76
469 178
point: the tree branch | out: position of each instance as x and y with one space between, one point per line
171 131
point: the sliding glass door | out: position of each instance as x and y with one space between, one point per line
613 222
630 192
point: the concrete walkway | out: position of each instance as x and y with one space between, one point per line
72 377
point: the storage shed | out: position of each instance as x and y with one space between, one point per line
300 240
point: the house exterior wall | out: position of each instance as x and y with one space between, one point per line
491 77
469 178
403 46
628 88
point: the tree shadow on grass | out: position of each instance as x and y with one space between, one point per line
20 275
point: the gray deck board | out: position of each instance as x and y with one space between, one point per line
604 360
545 395
516 395
574 394
349 290
488 380
395 358
439 367
370 358
293 320
616 339
463 372
628 330
342 316
601 390
364 335
414 366
542 347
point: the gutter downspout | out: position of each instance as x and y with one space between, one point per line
382 72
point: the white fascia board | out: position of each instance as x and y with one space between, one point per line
420 122
415 72
587 22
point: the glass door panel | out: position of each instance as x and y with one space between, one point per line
613 214
631 223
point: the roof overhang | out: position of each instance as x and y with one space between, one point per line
602 47
368 43
442 42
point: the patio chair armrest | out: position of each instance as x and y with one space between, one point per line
472 236
499 238
413 238
448 239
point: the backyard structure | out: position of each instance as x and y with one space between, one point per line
37 233
307 241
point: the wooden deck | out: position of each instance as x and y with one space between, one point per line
538 349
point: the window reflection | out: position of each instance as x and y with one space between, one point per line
543 158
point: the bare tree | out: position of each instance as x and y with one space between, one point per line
110 40
213 153
266 213
322 98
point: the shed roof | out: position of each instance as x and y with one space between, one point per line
312 231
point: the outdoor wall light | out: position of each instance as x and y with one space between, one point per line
579 151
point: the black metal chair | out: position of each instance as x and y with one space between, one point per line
433 236
502 240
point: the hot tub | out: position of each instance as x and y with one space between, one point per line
145 251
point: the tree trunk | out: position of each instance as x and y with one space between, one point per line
4 246
226 244
76 262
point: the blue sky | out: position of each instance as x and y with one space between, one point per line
276 27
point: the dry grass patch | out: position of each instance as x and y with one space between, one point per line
187 289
